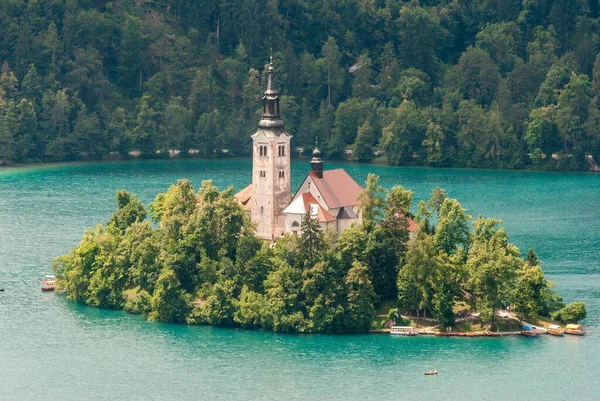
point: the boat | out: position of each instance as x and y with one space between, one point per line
403 331
555 330
49 283
431 372
529 331
574 329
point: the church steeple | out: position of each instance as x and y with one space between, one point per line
270 167
271 117
316 163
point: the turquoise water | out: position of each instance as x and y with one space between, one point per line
53 349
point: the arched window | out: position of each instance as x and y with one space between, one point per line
264 150
283 150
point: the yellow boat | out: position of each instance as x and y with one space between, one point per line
574 329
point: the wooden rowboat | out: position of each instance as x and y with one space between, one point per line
431 372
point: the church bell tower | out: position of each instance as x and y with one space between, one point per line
270 167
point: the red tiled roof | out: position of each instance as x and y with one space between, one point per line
244 195
337 188
411 224
322 214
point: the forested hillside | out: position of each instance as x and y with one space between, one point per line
476 83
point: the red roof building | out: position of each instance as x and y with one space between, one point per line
331 196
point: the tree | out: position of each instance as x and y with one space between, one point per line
572 313
249 310
476 76
420 37
363 147
175 128
403 136
169 302
398 201
433 144
452 230
8 150
417 278
372 202
492 265
531 258
384 252
311 239
143 134
129 210
335 78
360 298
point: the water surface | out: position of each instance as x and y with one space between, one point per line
53 349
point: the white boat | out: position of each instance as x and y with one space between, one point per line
403 331
49 283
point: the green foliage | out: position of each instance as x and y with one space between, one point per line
452 229
372 202
169 302
572 313
140 303
204 265
439 83
360 298
129 210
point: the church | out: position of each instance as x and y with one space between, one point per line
330 196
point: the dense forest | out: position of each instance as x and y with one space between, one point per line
201 263
486 83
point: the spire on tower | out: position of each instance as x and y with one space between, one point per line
271 117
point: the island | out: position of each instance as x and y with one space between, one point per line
201 263
330 258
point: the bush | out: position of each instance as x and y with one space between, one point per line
571 313
140 304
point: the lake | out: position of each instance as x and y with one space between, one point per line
55 350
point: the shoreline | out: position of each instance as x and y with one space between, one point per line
301 158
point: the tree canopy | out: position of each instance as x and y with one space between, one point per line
201 263
511 84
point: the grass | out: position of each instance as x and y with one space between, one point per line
541 321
